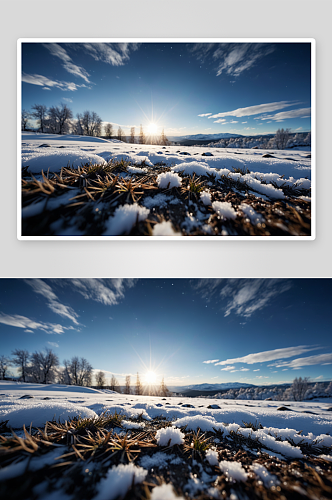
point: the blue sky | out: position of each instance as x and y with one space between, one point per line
258 331
185 88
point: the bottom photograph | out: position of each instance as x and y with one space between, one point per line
162 389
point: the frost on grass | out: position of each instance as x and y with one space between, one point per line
268 479
169 437
233 470
125 218
168 180
118 481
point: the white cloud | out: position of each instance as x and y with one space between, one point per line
293 113
205 114
45 82
254 110
116 54
258 369
320 376
29 325
58 51
231 58
211 361
264 356
39 286
319 359
107 291
227 368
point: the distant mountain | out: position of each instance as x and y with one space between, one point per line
203 137
210 387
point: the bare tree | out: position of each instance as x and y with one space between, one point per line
40 112
100 379
163 138
163 390
21 359
43 366
59 119
120 134
141 139
4 362
132 135
114 384
79 371
64 374
138 386
127 389
109 130
77 126
24 119
281 138
299 388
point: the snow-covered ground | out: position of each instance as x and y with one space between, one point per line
43 151
260 176
282 432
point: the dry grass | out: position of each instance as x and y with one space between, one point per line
98 190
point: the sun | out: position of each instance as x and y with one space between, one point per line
150 378
152 129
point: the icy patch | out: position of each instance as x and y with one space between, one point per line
175 436
160 200
118 481
225 209
137 170
125 218
168 180
158 459
233 470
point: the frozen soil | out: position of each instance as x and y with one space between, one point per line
214 464
95 200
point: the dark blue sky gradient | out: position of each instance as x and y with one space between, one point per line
171 84
173 325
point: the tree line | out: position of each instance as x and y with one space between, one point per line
60 120
43 367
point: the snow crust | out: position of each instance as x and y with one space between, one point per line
169 436
233 470
125 218
168 180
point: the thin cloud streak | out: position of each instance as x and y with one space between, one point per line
47 84
58 51
30 325
264 356
255 110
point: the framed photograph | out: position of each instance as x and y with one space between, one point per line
185 138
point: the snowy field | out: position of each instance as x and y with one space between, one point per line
250 449
143 190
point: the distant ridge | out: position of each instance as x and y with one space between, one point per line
203 137
211 387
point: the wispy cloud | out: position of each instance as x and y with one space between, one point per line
254 110
116 54
60 52
242 296
285 115
227 368
53 344
39 286
211 361
205 114
319 359
264 356
107 291
30 325
47 83
231 58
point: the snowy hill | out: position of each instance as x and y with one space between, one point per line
212 387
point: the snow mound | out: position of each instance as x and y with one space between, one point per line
233 470
54 159
212 457
38 414
168 180
268 479
194 167
125 218
164 228
163 492
169 435
118 481
225 209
